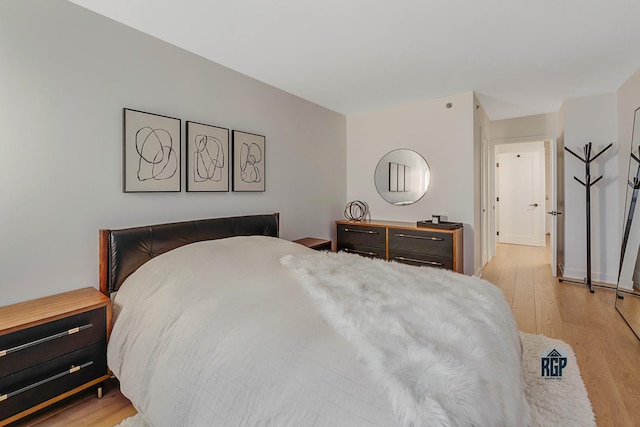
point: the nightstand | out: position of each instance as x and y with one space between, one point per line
51 348
313 243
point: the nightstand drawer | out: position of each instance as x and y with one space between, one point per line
37 344
361 235
421 259
421 242
29 387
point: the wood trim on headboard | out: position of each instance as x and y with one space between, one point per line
143 238
103 260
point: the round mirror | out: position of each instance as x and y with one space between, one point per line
402 177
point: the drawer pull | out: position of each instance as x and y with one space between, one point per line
45 339
411 236
435 264
349 230
46 380
355 251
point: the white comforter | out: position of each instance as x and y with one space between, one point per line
221 334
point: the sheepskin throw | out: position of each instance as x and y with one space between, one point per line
444 346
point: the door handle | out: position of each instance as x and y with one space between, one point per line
535 205
554 213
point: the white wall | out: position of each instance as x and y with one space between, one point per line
591 119
628 100
65 75
529 127
443 136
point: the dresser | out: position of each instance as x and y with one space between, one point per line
51 348
402 242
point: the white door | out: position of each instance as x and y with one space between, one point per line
521 198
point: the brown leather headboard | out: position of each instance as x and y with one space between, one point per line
123 251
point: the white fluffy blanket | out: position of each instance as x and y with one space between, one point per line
444 346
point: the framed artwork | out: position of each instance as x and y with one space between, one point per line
248 162
151 152
207 158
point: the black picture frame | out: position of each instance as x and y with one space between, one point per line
151 152
249 162
206 158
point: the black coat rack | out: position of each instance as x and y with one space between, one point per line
587 185
635 184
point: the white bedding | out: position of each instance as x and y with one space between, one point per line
220 333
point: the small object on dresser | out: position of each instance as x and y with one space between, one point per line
356 210
315 243
435 219
443 225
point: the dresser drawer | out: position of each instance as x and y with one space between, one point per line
364 251
37 344
361 235
42 382
423 260
421 242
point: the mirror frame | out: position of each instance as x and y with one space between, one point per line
628 300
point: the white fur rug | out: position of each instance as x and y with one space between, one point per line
554 402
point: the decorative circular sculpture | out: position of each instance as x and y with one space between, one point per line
402 177
356 210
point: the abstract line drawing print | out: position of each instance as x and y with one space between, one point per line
208 158
158 159
250 157
151 154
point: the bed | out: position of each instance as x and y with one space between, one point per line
220 322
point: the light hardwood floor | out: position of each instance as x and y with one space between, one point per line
607 351
84 409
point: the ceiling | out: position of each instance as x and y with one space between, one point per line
520 57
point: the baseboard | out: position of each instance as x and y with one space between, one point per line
626 284
595 276
479 272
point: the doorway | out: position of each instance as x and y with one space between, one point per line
520 182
